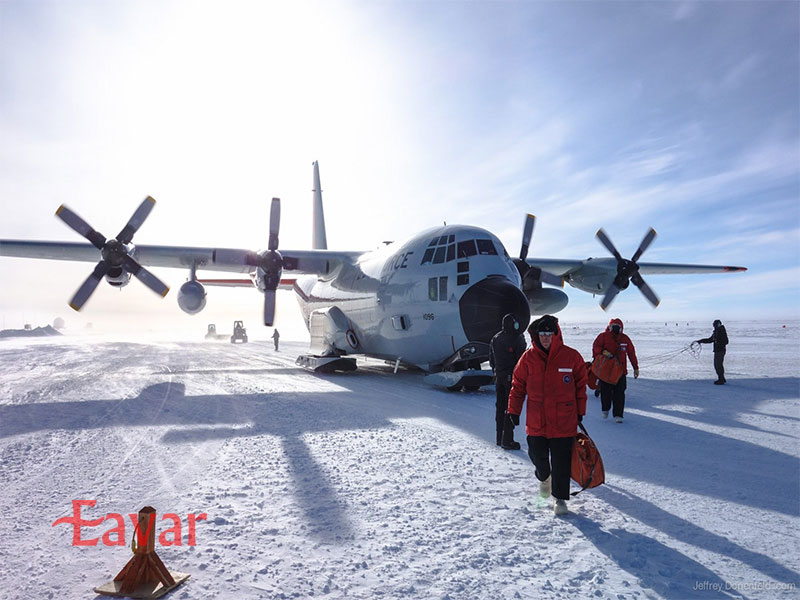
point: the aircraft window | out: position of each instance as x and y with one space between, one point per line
433 241
486 247
466 249
451 239
463 279
451 252
443 240
428 256
443 288
433 289
463 267
439 256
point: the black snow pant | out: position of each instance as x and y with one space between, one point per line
276 344
552 456
502 390
719 358
612 395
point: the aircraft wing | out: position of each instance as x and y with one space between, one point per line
564 266
311 262
678 269
556 266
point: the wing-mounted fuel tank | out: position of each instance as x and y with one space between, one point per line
331 333
192 297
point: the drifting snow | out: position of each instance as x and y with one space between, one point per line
371 484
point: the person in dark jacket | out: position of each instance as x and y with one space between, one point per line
553 377
613 342
505 350
275 337
720 339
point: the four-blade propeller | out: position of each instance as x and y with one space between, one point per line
271 263
628 270
114 253
532 277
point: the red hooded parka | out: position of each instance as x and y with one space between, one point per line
555 384
620 345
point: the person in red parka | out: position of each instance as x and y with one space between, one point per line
613 342
553 377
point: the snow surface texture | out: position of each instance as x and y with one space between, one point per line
370 484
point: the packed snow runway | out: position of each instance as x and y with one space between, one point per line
372 484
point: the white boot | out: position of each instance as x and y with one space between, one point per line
560 507
544 488
618 419
605 414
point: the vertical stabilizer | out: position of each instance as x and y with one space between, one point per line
320 241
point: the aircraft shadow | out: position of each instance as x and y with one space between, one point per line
689 533
666 571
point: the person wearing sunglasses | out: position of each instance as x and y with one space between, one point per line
553 378
614 342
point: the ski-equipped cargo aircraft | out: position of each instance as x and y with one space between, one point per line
433 301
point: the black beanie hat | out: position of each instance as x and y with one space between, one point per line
548 323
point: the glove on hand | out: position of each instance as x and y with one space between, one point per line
514 419
607 353
636 373
580 418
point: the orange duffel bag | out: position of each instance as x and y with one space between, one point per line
607 368
587 464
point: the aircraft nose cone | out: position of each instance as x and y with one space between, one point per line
484 305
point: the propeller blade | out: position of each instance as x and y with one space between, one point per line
648 239
612 292
639 282
89 286
136 220
145 276
75 222
269 307
274 223
527 233
604 239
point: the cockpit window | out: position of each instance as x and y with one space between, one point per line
428 256
466 249
451 252
439 256
434 241
486 247
443 239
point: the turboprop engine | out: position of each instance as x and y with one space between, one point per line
192 297
542 300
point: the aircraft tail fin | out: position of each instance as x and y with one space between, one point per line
320 241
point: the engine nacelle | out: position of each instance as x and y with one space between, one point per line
192 297
118 277
546 301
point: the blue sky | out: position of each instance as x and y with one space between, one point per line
622 115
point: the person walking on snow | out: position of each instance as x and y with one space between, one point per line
553 377
275 337
505 350
613 342
720 339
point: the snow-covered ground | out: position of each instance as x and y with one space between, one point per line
372 485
